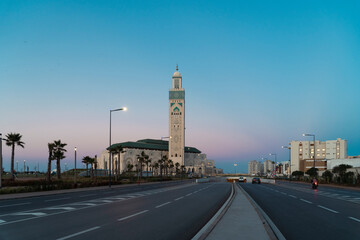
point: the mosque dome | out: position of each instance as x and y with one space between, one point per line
177 74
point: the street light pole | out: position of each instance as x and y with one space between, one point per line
287 147
75 167
24 166
110 155
311 135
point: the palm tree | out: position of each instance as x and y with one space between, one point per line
156 166
87 160
129 167
118 149
50 158
147 161
13 139
141 160
59 151
177 165
171 165
161 165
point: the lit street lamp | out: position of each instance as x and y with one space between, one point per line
311 135
235 165
110 155
288 147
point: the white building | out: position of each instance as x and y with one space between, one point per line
189 157
255 168
305 155
269 167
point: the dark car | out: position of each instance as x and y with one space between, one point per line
256 180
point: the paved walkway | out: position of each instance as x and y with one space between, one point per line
241 221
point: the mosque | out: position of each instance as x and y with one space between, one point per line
189 158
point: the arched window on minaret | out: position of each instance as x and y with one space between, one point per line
176 83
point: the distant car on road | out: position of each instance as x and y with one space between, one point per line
256 180
242 179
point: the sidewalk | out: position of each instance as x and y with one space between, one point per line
241 221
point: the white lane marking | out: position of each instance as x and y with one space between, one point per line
18 204
88 195
86 204
58 199
283 193
60 208
330 210
305 201
158 206
292 196
188 194
78 233
117 198
352 218
276 191
30 213
179 198
2 221
121 219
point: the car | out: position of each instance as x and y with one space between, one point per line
256 180
242 179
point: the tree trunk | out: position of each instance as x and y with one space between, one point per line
58 169
12 161
48 176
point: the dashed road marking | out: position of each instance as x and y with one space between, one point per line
2 221
328 209
38 214
179 198
161 205
60 208
78 233
292 196
305 201
188 194
283 193
17 204
133 215
352 218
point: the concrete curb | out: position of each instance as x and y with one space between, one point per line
206 230
270 227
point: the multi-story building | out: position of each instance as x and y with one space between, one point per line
269 167
307 154
255 168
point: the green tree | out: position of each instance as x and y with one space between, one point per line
50 158
177 165
298 174
59 154
147 162
141 159
156 166
312 172
129 167
341 171
87 160
327 175
118 150
12 140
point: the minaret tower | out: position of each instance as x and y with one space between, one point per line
177 119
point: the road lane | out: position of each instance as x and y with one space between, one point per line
300 211
139 216
10 205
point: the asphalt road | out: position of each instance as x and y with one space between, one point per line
300 212
137 212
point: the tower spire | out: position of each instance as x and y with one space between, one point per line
177 67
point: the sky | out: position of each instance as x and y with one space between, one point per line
257 74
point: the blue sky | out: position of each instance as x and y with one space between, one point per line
257 74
